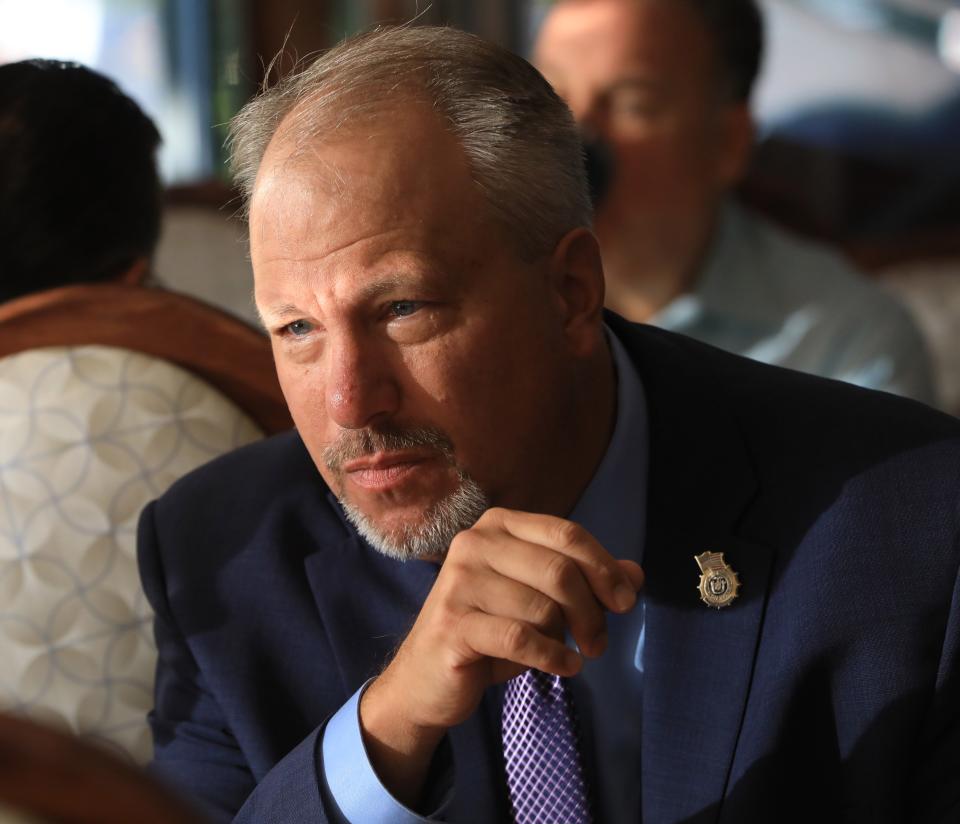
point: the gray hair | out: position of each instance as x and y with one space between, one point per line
519 138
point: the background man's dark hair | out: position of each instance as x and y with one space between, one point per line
79 188
737 30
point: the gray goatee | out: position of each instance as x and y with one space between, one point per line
432 534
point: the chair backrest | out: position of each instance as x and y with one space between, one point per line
108 394
223 350
89 435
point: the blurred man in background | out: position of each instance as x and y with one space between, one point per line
663 88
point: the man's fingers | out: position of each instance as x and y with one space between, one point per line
499 595
493 636
634 572
610 582
545 575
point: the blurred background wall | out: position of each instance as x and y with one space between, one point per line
859 107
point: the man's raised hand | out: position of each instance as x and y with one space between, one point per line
509 591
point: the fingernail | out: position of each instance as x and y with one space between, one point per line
624 597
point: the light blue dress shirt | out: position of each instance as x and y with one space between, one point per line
607 691
773 297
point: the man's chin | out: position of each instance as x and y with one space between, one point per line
396 510
417 528
396 522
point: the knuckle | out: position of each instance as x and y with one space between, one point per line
459 643
464 547
548 659
454 570
515 638
460 544
560 571
492 515
605 576
460 626
545 612
567 534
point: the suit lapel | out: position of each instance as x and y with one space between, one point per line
698 661
368 603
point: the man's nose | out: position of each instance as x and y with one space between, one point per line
360 389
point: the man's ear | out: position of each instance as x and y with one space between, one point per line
577 280
137 273
736 137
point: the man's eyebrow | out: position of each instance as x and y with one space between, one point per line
276 313
372 291
387 284
634 81
285 310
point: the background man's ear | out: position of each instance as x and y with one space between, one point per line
577 277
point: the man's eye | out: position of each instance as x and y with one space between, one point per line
404 308
631 102
299 328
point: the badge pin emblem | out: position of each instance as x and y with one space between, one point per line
719 585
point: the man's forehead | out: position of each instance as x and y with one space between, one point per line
648 45
328 117
629 26
317 163
403 174
402 139
312 180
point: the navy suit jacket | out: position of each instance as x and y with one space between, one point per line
829 691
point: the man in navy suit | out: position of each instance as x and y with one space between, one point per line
482 462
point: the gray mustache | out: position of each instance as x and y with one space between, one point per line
359 444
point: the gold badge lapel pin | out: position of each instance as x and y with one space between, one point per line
719 585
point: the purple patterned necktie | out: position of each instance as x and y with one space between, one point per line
540 747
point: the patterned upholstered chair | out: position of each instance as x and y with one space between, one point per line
91 430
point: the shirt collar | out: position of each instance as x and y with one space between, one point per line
731 287
613 507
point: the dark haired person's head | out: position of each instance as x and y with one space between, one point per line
666 85
79 187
